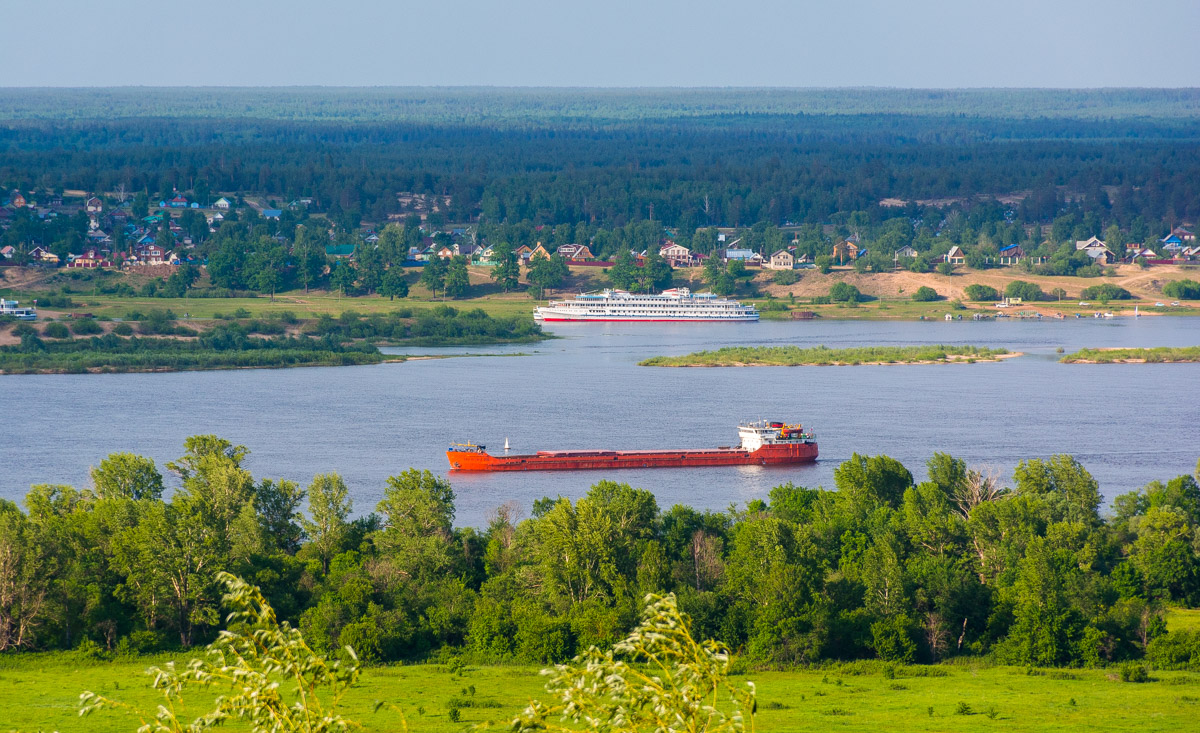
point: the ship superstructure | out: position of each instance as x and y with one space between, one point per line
676 304
12 309
763 443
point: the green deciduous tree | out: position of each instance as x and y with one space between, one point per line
128 476
329 505
507 270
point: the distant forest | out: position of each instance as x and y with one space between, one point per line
685 158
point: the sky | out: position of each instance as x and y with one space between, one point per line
603 43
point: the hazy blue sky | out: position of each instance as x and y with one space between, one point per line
899 43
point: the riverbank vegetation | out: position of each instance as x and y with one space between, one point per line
227 346
156 341
1157 355
959 567
734 356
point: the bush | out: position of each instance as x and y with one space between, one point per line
1132 672
1175 650
824 263
86 327
978 292
1105 291
844 293
785 277
24 329
1182 290
123 329
1024 290
55 331
925 294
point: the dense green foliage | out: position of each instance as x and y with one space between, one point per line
326 341
1026 291
1158 355
824 356
1185 289
843 292
1105 292
925 294
883 567
978 292
225 346
440 325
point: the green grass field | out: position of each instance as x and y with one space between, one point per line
40 693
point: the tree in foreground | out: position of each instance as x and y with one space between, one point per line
658 679
267 674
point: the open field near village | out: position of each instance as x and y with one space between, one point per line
40 692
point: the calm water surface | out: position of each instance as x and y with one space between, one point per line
1128 424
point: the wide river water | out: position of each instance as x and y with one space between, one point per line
1128 424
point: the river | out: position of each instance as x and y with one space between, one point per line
1128 424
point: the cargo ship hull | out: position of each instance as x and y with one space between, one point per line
767 455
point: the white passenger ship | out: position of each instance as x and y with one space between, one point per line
677 304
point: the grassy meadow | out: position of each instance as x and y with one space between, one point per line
39 692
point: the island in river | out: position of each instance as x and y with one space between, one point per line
738 356
1158 355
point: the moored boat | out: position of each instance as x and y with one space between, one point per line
676 304
762 443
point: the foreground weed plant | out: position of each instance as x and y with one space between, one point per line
678 684
272 678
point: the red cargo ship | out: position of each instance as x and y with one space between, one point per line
763 443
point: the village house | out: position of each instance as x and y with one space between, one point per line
43 256
845 251
88 259
955 256
1010 255
18 201
1091 243
538 251
746 256
676 255
575 253
781 260
93 205
8 252
271 213
1184 234
1141 254
906 252
223 204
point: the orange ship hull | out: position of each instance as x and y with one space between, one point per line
767 455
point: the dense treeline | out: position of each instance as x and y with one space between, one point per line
698 168
882 567
522 105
